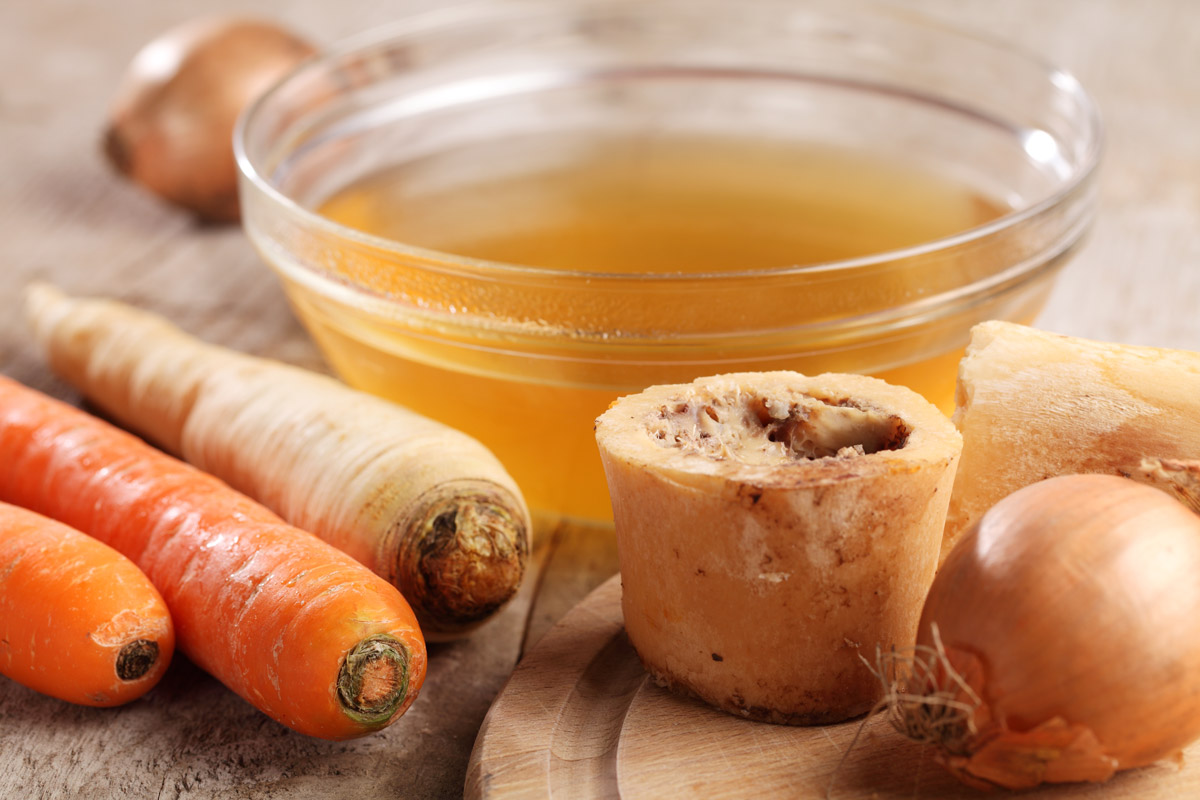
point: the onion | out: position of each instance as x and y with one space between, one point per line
1060 640
171 124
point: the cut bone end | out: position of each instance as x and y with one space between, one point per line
772 526
765 427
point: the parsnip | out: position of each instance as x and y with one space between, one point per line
772 527
1033 405
423 505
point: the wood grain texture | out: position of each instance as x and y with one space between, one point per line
573 560
65 217
581 719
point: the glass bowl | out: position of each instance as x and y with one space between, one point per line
525 355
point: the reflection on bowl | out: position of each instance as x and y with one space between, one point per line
506 216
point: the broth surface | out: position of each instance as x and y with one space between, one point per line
627 205
658 205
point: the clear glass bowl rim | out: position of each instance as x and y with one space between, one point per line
475 12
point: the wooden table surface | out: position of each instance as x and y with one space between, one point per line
65 217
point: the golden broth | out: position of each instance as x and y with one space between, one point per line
644 205
675 205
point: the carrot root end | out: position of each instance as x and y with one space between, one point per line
373 681
136 659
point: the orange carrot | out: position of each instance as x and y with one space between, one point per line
296 627
78 620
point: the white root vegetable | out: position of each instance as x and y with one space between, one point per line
1032 405
426 507
771 525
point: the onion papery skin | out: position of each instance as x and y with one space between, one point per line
1073 610
171 124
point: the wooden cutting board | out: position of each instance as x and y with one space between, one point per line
579 718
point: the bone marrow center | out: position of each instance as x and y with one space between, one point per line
763 430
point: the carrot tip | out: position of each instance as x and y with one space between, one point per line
373 681
136 659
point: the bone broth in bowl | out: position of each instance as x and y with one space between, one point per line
505 216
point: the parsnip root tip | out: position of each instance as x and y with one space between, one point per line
466 556
373 681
